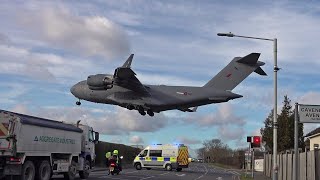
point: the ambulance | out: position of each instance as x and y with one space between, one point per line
163 156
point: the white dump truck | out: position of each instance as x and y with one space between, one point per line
36 148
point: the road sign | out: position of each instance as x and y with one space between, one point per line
309 113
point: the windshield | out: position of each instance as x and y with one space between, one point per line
143 153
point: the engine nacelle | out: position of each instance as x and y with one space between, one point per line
99 82
100 87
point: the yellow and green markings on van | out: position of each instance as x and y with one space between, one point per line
161 159
183 156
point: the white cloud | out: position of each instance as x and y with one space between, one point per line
10 92
187 141
125 18
136 140
117 122
4 39
223 116
20 108
311 97
89 36
231 133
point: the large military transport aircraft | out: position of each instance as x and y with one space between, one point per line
124 89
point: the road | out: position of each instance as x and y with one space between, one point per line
194 172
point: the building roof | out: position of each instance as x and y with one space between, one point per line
314 132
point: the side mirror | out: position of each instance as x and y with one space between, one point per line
121 157
96 136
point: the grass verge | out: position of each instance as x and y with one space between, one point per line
243 177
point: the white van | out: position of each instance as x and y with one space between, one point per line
163 156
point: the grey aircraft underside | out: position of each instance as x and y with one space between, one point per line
124 89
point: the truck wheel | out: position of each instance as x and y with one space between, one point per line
28 171
12 177
44 171
86 170
168 167
72 171
138 166
179 169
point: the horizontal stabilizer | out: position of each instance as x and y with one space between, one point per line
260 71
250 59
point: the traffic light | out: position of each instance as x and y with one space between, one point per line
256 142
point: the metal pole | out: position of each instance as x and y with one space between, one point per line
246 160
252 164
275 123
296 153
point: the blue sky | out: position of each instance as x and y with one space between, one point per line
46 47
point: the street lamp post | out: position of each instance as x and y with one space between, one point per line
275 123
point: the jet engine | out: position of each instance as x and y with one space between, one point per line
99 82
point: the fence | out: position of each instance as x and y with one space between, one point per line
308 168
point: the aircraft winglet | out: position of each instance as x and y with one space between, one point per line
127 64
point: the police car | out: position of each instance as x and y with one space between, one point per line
163 156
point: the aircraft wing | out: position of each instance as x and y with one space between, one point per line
126 78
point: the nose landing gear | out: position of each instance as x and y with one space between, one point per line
78 103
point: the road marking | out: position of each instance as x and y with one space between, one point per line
219 178
203 174
147 177
109 177
130 172
199 177
235 173
164 174
180 175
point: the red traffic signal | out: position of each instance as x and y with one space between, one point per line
256 143
256 139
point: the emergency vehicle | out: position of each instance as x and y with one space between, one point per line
163 156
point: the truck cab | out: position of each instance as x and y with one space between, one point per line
89 139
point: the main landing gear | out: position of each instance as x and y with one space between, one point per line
149 112
141 110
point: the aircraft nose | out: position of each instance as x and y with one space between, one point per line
75 90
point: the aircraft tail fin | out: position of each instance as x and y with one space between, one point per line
128 62
236 71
